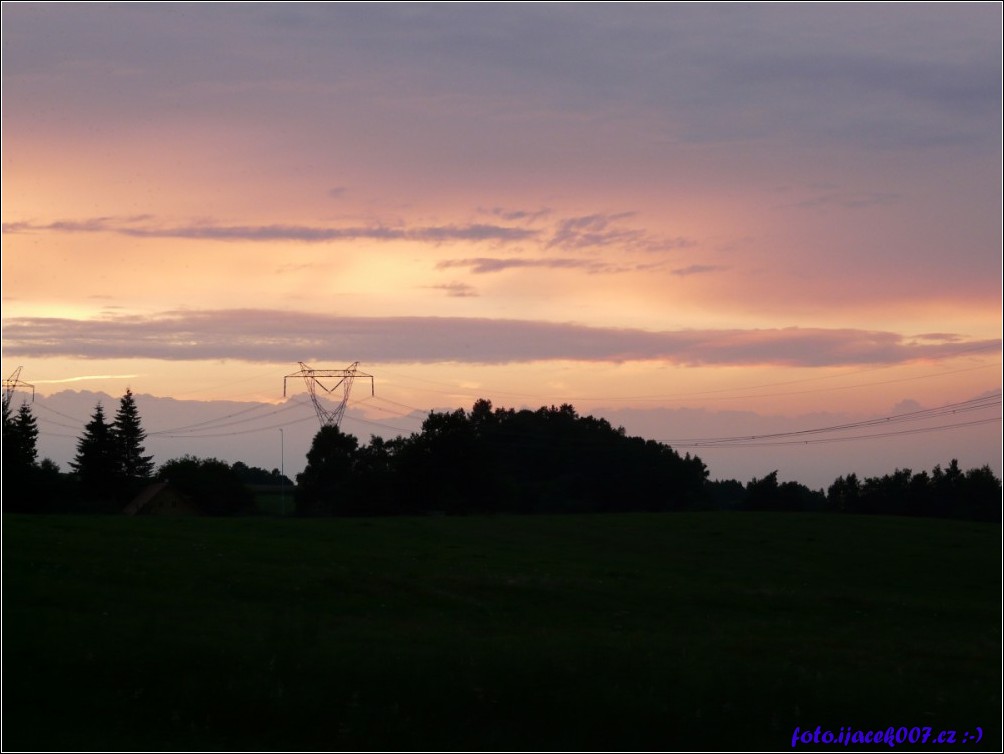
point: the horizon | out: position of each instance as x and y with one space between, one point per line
747 446
709 221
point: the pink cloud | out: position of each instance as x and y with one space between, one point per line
278 336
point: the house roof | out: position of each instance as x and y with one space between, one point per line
158 494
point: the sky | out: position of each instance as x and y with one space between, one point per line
699 220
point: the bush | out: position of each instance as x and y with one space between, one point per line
210 484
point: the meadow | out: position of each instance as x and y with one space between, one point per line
635 631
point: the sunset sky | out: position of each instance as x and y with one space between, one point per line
791 212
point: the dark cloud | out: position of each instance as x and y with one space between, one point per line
456 290
483 265
696 269
91 225
943 337
595 232
520 214
282 336
297 233
475 232
601 231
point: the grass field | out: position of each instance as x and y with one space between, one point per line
664 631
272 503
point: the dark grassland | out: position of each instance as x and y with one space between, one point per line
667 631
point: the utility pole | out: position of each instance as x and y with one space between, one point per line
282 472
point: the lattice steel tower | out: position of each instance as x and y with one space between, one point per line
342 379
11 385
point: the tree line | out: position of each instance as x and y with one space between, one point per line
494 459
111 467
552 461
486 460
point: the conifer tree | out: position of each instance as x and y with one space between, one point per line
25 437
129 435
20 435
96 463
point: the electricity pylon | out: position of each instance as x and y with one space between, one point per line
11 385
343 377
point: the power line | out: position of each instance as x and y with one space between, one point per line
191 430
402 405
378 424
257 407
974 404
830 440
238 432
951 408
776 438
42 406
56 434
57 424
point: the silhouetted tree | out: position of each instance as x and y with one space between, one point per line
726 494
20 434
844 495
920 499
944 493
551 459
210 484
19 441
377 490
96 463
449 468
762 494
983 495
134 467
51 490
327 484
768 494
496 459
257 475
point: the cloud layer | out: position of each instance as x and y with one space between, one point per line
594 232
257 335
271 233
915 75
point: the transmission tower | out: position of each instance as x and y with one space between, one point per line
336 378
11 385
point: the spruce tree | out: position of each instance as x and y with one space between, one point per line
9 433
133 465
8 418
96 463
20 433
24 450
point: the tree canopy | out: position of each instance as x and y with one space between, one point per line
212 486
496 459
